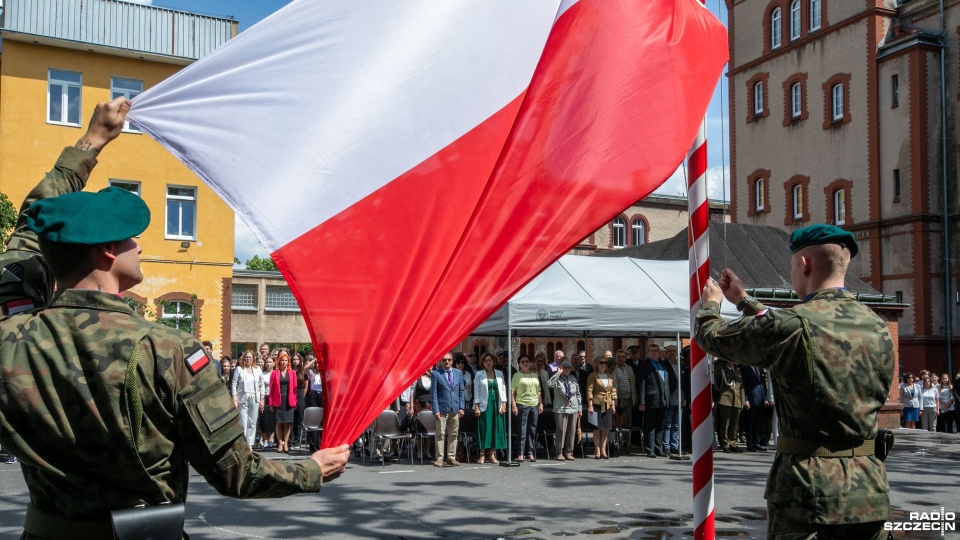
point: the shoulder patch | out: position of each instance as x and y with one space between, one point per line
17 306
197 360
762 312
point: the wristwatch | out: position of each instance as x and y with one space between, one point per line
743 302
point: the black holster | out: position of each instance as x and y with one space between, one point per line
883 443
164 522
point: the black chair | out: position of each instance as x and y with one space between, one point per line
468 433
387 428
547 426
426 429
312 422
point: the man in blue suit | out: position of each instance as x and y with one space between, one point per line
755 397
446 396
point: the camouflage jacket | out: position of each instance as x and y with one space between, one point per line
831 361
65 413
25 281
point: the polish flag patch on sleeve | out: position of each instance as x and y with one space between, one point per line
18 306
197 360
762 312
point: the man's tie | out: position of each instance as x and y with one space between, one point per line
450 378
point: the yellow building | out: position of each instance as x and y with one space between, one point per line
59 59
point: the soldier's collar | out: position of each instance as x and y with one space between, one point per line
89 299
815 293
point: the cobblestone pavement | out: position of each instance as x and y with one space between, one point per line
626 497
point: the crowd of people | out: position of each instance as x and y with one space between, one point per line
271 388
930 402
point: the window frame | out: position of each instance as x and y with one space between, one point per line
116 92
796 203
839 207
193 310
776 28
894 90
796 20
896 185
836 102
816 15
796 100
64 97
272 289
166 221
758 98
621 224
759 194
119 183
233 297
643 231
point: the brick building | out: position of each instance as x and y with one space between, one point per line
835 117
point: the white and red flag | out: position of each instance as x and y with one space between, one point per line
412 164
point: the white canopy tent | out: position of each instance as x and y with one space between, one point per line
600 296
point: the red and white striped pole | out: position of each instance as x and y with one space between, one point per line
702 419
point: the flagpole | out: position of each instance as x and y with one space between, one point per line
699 264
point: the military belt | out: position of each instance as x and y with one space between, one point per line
54 527
812 448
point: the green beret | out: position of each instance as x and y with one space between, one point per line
109 215
823 234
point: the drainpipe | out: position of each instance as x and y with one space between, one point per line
947 296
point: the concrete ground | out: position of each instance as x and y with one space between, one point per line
626 497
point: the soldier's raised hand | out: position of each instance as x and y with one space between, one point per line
105 124
731 286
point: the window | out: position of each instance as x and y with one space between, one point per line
128 88
63 97
775 28
894 91
130 185
814 15
244 297
794 20
181 213
796 100
619 233
839 207
896 185
758 194
797 201
758 98
279 298
639 232
836 93
178 314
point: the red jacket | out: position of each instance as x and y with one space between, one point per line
275 388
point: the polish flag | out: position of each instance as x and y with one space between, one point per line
410 165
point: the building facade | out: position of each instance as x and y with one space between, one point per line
836 117
258 307
59 59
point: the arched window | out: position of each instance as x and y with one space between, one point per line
758 192
550 351
796 100
639 232
839 207
177 314
619 233
814 15
837 93
581 345
776 20
798 201
758 98
794 20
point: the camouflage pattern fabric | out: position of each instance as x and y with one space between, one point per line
831 361
65 414
23 273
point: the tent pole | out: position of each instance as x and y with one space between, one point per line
509 461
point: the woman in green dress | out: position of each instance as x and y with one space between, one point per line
489 404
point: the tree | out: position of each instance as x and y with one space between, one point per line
8 218
265 264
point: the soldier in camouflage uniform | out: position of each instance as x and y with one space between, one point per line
831 360
106 410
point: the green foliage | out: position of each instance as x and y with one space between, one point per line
8 218
265 264
172 314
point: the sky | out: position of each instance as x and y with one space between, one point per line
250 12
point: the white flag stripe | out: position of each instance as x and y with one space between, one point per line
428 72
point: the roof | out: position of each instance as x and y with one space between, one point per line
759 255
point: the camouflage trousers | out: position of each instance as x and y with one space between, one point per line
780 527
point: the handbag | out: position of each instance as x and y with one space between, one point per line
164 522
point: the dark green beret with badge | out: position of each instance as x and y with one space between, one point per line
823 234
109 215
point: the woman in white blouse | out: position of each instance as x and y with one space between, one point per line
930 406
247 393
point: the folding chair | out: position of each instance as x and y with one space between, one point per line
547 425
312 422
468 433
426 429
387 428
